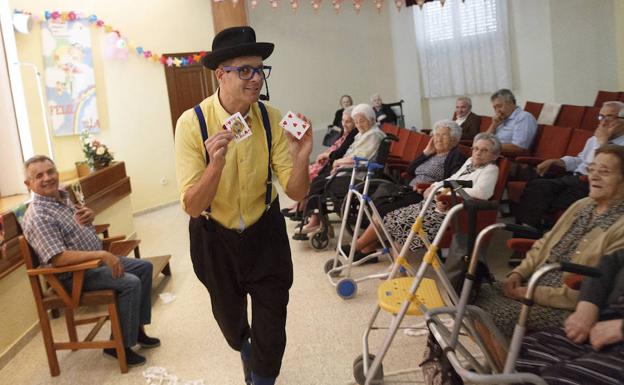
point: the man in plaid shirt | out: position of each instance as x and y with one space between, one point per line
62 234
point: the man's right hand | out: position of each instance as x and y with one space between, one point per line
543 167
113 262
216 146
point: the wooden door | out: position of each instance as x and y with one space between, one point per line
187 86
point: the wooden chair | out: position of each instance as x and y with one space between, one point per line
58 298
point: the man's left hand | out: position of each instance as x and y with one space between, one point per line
84 216
303 147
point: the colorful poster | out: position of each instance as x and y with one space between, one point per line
69 79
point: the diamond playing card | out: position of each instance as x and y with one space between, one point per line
238 126
291 123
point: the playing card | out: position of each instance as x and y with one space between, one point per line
237 125
291 123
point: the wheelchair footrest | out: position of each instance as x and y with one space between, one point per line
300 237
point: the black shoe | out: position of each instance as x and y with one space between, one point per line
132 359
358 255
287 212
245 356
147 342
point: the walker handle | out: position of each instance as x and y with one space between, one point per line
374 166
357 160
587 271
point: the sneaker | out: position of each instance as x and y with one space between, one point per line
132 359
147 342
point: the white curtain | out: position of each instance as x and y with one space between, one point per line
463 47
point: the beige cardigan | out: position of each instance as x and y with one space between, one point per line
589 251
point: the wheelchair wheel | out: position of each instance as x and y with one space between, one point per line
346 288
320 240
358 370
329 265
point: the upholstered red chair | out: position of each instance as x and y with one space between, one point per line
590 119
533 108
607 96
570 116
397 148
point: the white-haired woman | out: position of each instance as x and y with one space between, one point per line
480 168
364 145
439 160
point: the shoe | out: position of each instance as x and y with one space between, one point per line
288 213
359 255
147 342
307 229
132 359
259 380
245 354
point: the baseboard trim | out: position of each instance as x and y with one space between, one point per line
154 208
21 342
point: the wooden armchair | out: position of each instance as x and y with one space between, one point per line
57 297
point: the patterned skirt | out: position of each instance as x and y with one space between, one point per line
504 311
399 223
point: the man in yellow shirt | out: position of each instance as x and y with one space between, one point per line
238 239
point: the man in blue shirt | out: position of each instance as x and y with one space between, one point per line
551 194
514 127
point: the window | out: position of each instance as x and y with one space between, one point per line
462 46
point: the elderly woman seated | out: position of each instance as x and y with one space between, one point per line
590 348
480 168
324 160
364 145
439 160
590 228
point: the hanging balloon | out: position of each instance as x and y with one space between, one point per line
420 3
234 3
253 5
399 4
294 4
357 5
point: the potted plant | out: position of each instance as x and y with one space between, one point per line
97 154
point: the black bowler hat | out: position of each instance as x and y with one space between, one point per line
235 42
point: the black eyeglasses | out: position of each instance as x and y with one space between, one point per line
247 72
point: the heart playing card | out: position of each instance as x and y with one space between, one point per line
238 126
291 123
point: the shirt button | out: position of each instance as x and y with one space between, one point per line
578 252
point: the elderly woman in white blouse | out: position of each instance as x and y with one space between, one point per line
364 145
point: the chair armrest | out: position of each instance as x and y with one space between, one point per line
123 248
512 154
65 269
107 242
573 281
102 229
521 245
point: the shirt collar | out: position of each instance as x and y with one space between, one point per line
514 113
64 195
222 114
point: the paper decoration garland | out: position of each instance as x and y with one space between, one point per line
118 46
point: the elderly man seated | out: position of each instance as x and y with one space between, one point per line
62 234
383 112
550 194
514 127
469 122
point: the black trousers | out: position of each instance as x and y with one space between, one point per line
255 262
545 195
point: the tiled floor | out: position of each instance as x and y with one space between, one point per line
324 331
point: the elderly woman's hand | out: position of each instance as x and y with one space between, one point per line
430 149
606 333
579 323
513 281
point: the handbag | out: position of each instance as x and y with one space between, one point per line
331 136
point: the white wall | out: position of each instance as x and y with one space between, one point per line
320 56
561 51
132 94
583 34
